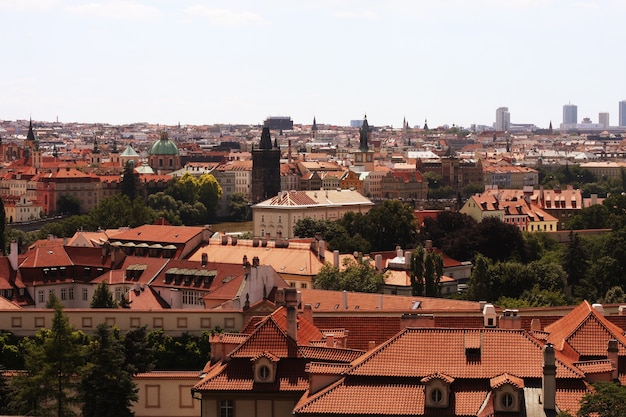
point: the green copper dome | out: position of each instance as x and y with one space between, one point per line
164 146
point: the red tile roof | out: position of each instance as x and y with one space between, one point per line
422 352
585 332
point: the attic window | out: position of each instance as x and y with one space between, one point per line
336 306
416 305
317 305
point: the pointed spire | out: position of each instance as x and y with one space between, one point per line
425 124
95 145
266 140
364 133
31 133
276 143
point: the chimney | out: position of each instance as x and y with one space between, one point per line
510 320
330 340
336 258
548 380
371 345
407 259
428 244
535 325
417 320
611 354
398 251
380 301
13 255
599 308
308 313
291 304
255 261
321 252
345 299
489 315
378 260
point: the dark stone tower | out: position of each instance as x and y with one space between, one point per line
265 168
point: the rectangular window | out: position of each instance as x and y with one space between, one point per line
63 294
50 293
41 296
226 408
71 294
85 294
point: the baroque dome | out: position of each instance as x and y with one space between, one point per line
163 146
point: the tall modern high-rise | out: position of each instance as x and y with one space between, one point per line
503 119
622 113
570 114
603 119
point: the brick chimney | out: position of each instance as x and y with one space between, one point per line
548 380
13 255
510 320
612 355
291 304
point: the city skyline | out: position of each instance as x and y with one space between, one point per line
197 62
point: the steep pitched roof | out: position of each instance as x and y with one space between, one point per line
422 352
585 331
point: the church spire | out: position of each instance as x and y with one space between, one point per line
364 133
266 140
31 133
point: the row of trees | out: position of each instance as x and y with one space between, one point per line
61 370
384 227
510 267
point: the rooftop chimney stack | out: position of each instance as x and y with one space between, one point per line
291 304
612 355
13 255
548 380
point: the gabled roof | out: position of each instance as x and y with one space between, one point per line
585 331
271 335
422 352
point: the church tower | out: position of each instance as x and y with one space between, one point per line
364 157
95 153
31 147
265 168
314 129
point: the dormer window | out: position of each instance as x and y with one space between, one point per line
264 367
437 390
507 391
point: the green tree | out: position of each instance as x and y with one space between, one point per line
185 188
139 354
5 395
106 387
129 186
614 295
389 225
357 276
433 270
239 208
3 226
52 359
592 217
102 297
607 400
416 271
119 210
209 193
480 282
10 355
575 260
68 204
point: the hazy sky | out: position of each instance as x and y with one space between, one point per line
205 62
